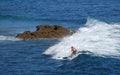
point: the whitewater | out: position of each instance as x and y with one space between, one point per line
10 38
99 38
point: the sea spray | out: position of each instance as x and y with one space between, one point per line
11 38
98 37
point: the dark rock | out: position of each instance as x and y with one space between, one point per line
45 31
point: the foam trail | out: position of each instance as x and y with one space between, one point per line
100 38
11 38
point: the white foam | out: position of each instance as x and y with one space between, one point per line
8 38
98 37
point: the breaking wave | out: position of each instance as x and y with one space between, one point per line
98 37
11 38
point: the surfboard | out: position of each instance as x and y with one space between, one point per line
72 57
77 54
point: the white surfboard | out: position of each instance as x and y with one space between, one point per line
77 54
72 57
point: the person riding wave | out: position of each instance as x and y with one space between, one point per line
74 50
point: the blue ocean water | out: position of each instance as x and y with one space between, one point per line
97 23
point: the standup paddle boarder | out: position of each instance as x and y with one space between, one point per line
74 50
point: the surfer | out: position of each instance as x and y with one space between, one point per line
74 50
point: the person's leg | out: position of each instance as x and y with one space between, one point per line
73 53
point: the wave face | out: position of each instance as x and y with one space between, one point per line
10 38
98 37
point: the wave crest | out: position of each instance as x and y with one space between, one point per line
98 37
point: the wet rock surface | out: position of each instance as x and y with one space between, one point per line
45 31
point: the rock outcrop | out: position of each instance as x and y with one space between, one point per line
45 31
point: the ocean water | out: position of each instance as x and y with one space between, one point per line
97 23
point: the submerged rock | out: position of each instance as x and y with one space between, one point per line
45 31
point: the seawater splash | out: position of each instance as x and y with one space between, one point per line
98 37
11 38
